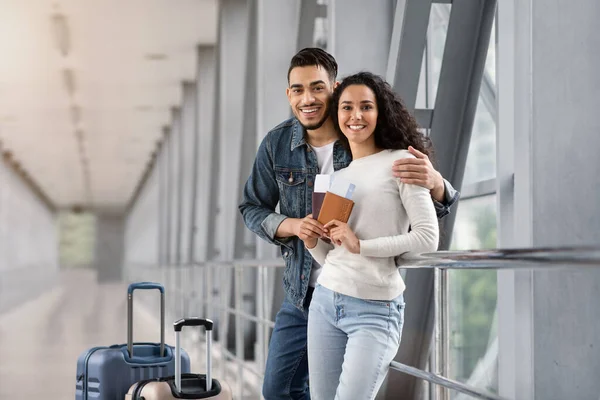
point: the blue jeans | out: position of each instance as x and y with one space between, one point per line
351 343
286 373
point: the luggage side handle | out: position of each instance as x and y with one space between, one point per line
145 286
178 325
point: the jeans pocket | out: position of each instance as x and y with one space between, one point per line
382 303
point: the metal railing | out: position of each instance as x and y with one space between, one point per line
217 279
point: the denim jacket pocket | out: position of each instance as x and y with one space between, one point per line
291 189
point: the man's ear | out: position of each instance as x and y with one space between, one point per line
336 84
288 93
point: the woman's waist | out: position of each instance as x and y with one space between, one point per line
373 271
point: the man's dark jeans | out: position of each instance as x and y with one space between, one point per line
286 375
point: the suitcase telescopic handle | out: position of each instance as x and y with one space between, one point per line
207 323
178 325
145 286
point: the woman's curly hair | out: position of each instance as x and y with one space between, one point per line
396 127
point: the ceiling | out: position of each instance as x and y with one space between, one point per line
86 87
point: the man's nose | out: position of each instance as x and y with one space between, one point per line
308 97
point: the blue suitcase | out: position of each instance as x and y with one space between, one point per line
107 372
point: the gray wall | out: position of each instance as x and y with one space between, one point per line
555 345
565 194
28 240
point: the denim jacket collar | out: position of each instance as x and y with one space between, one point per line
298 138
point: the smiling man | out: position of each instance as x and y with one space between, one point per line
287 161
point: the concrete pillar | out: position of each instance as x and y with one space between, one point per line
206 179
187 201
360 36
109 250
231 61
550 325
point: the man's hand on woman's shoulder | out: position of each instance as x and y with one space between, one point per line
420 171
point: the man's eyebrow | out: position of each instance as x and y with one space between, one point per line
299 85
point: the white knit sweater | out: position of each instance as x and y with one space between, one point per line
383 211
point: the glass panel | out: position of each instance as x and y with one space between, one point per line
472 300
436 41
481 159
432 57
77 239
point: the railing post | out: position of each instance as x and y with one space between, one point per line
208 291
439 361
267 301
258 348
445 330
223 303
239 332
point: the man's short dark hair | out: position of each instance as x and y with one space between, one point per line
313 56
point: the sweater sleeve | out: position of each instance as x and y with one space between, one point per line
319 252
424 233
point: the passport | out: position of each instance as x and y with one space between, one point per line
317 202
334 207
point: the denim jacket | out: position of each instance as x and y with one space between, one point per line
284 172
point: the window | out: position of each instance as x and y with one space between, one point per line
472 299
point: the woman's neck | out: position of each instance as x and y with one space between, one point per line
363 150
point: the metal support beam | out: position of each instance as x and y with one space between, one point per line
353 26
206 168
233 45
409 36
479 189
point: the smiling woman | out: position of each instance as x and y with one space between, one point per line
358 303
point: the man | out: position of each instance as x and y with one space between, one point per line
287 161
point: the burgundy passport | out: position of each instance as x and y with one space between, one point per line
317 202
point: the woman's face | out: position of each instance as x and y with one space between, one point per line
357 114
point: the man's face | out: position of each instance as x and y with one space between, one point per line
309 92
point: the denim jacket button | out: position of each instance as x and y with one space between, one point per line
310 183
302 276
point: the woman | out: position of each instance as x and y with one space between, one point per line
357 310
